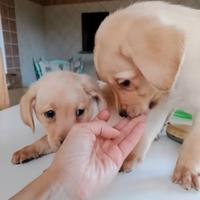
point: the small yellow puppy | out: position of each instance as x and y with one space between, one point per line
60 100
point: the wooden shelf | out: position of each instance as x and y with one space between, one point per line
59 2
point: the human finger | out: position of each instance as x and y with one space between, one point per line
122 123
101 128
103 115
131 140
129 127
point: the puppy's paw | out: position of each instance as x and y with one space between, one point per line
55 143
126 166
186 177
24 155
131 161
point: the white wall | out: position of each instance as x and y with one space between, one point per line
63 25
31 37
53 32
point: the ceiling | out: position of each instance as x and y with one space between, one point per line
57 2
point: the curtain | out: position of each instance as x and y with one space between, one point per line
4 97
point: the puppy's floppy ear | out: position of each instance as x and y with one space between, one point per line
91 88
26 107
156 49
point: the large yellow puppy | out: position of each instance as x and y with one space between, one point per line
149 54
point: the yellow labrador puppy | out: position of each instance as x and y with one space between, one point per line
149 55
59 100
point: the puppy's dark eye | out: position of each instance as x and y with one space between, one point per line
125 83
80 112
49 114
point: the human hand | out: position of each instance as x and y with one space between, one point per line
93 153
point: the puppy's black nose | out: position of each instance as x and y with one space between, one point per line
123 113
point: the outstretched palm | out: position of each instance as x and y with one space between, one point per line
94 152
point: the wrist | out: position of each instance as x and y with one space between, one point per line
57 187
67 183
46 187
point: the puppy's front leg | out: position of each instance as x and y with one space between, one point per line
29 152
187 170
155 121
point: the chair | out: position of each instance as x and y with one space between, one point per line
37 68
4 97
42 66
77 65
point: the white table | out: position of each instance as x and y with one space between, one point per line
150 180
